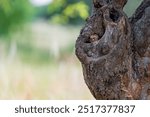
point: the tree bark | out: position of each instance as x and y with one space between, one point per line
114 51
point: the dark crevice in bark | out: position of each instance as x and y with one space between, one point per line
114 15
114 51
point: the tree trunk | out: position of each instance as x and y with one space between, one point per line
115 51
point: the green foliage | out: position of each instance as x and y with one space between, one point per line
75 11
12 14
33 55
68 11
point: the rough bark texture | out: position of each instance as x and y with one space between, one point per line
115 51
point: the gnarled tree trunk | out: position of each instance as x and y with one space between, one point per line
115 51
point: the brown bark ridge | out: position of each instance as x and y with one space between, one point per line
114 51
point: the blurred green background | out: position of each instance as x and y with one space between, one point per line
37 39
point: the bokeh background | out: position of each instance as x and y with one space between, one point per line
37 58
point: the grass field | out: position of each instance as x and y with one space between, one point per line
39 62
